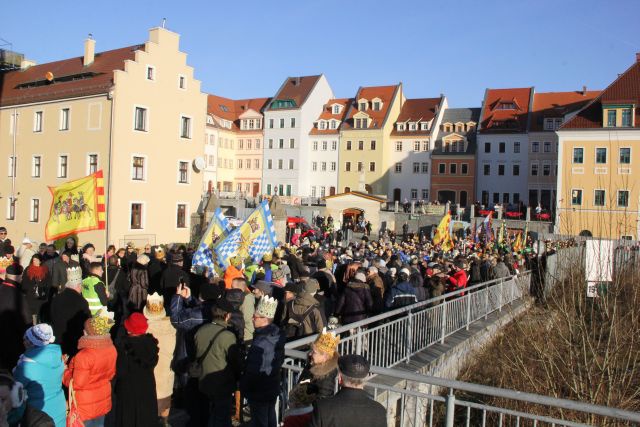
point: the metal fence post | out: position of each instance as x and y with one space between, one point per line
500 292
451 408
486 302
468 309
444 321
409 343
359 340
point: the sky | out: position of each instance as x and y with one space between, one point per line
245 49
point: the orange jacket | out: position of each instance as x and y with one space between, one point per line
231 273
92 370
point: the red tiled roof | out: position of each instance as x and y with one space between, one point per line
385 93
414 110
296 89
231 110
327 114
495 119
557 104
624 90
96 78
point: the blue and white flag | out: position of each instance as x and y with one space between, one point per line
218 229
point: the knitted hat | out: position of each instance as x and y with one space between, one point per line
267 307
74 276
360 277
311 286
327 342
154 309
40 335
136 324
98 325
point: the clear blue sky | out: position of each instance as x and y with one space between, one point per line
246 48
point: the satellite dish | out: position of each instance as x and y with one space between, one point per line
198 164
49 76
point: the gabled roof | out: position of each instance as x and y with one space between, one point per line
293 92
327 114
417 110
498 120
456 115
385 93
464 115
557 105
624 90
70 78
228 109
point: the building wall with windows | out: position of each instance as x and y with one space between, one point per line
210 173
248 178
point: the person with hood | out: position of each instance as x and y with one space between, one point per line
118 289
14 410
260 384
139 279
71 246
303 314
90 372
69 311
135 385
40 370
162 330
355 303
59 271
88 257
26 252
233 270
15 317
457 280
172 277
500 270
402 293
321 369
35 285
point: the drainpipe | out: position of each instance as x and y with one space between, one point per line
107 207
13 160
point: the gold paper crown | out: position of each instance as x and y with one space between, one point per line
267 307
155 303
74 276
327 342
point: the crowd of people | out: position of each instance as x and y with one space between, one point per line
125 338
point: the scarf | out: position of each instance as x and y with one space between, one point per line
37 273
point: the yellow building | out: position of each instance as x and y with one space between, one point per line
598 174
66 119
365 139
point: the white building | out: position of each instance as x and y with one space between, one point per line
288 117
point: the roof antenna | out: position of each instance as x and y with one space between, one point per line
164 22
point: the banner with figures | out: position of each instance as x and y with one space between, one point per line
442 235
255 237
219 228
76 206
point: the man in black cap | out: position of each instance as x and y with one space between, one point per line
172 277
351 406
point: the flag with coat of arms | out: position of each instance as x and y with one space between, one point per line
218 229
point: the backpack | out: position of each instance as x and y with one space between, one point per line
294 328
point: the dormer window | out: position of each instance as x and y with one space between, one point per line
361 123
447 127
506 106
376 106
336 109
424 126
322 125
362 105
470 126
552 123
209 120
459 127
401 127
333 124
412 126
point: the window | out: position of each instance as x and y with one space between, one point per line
138 172
323 191
36 167
372 166
336 109
398 145
626 117
425 194
360 145
92 160
576 197
453 168
270 127
281 123
313 191
487 147
611 118
505 197
280 163
64 119
534 169
416 167
501 170
181 216
516 198
333 166
290 163
182 82
136 216
347 166
487 169
269 189
293 122
548 124
241 144
416 146
360 167
239 163
184 172
314 146
270 143
372 144
12 166
625 156
376 106
546 169
37 121
516 170
281 143
11 208
185 127
516 147
601 155
400 126
35 210
398 167
257 144
323 166
151 73
140 119
442 168
256 164
496 197
324 145
334 145
578 155
425 167
362 106
362 123
535 147
269 164
547 147
425 145
598 197
623 198
292 143
63 166
348 145
464 169
501 147
414 193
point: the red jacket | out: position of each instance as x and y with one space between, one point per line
92 370
457 281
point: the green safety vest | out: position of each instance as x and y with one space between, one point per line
89 293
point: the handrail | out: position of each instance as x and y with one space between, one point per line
409 308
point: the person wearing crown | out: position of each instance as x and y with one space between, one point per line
321 369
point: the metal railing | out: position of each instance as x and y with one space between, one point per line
414 400
393 337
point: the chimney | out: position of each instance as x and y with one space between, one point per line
26 63
89 51
584 90
637 56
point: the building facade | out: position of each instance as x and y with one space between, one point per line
598 193
454 157
107 111
289 117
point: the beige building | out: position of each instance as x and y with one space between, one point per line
66 119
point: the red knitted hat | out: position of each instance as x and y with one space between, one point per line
136 324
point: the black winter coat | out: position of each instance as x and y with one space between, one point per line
69 311
32 417
14 320
169 282
261 379
355 303
324 376
135 384
350 407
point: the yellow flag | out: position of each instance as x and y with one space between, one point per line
76 206
442 232
518 246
